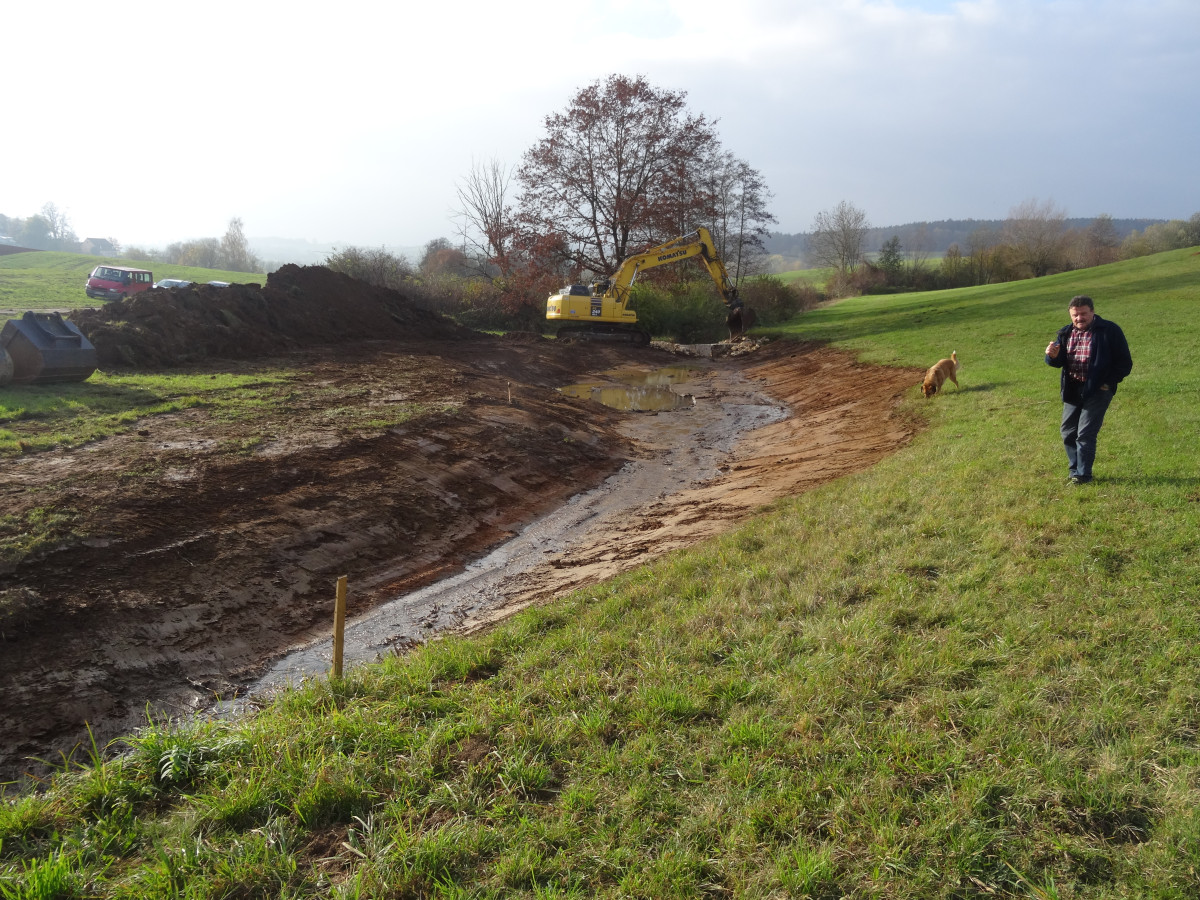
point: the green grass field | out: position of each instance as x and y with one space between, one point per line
40 280
815 278
951 676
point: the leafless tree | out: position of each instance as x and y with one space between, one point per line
235 250
205 253
1035 232
1099 243
920 248
484 216
61 236
954 267
612 172
837 237
738 197
35 233
981 250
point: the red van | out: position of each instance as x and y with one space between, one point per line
117 282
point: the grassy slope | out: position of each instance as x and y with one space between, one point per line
48 280
813 277
950 676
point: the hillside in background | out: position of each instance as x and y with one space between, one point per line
934 238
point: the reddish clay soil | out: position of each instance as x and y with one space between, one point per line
196 547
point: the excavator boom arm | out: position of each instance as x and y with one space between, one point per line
698 243
604 306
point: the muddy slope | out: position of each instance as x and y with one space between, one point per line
195 548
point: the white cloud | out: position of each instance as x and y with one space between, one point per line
351 122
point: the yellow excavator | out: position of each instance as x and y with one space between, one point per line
600 311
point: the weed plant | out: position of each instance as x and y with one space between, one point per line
952 676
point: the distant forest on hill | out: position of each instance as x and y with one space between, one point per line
935 238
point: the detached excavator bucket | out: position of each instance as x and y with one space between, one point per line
46 348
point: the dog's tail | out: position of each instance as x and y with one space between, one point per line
954 358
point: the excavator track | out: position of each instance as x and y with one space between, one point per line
612 334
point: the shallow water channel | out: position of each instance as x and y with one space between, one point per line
686 435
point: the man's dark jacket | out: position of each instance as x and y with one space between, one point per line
1110 360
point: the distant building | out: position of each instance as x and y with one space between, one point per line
98 247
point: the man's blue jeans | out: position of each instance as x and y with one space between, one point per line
1081 423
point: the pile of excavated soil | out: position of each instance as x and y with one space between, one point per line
300 307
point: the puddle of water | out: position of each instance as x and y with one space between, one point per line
647 398
639 391
663 377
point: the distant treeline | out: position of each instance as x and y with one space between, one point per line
51 230
935 238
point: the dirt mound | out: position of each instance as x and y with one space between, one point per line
300 307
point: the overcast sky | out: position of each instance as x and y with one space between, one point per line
350 123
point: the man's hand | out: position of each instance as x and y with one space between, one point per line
1052 349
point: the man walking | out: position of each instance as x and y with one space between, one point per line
1094 357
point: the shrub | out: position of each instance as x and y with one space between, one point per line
774 301
687 313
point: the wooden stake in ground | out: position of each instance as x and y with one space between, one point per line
339 626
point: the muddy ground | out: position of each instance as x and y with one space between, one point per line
197 548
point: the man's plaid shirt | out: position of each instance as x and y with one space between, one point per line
1079 351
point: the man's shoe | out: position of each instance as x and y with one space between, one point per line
1080 479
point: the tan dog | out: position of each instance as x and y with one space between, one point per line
939 372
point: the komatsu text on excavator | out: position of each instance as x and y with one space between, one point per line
600 311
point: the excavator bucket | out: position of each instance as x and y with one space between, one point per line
45 348
739 319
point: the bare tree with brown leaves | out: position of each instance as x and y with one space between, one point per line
615 172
